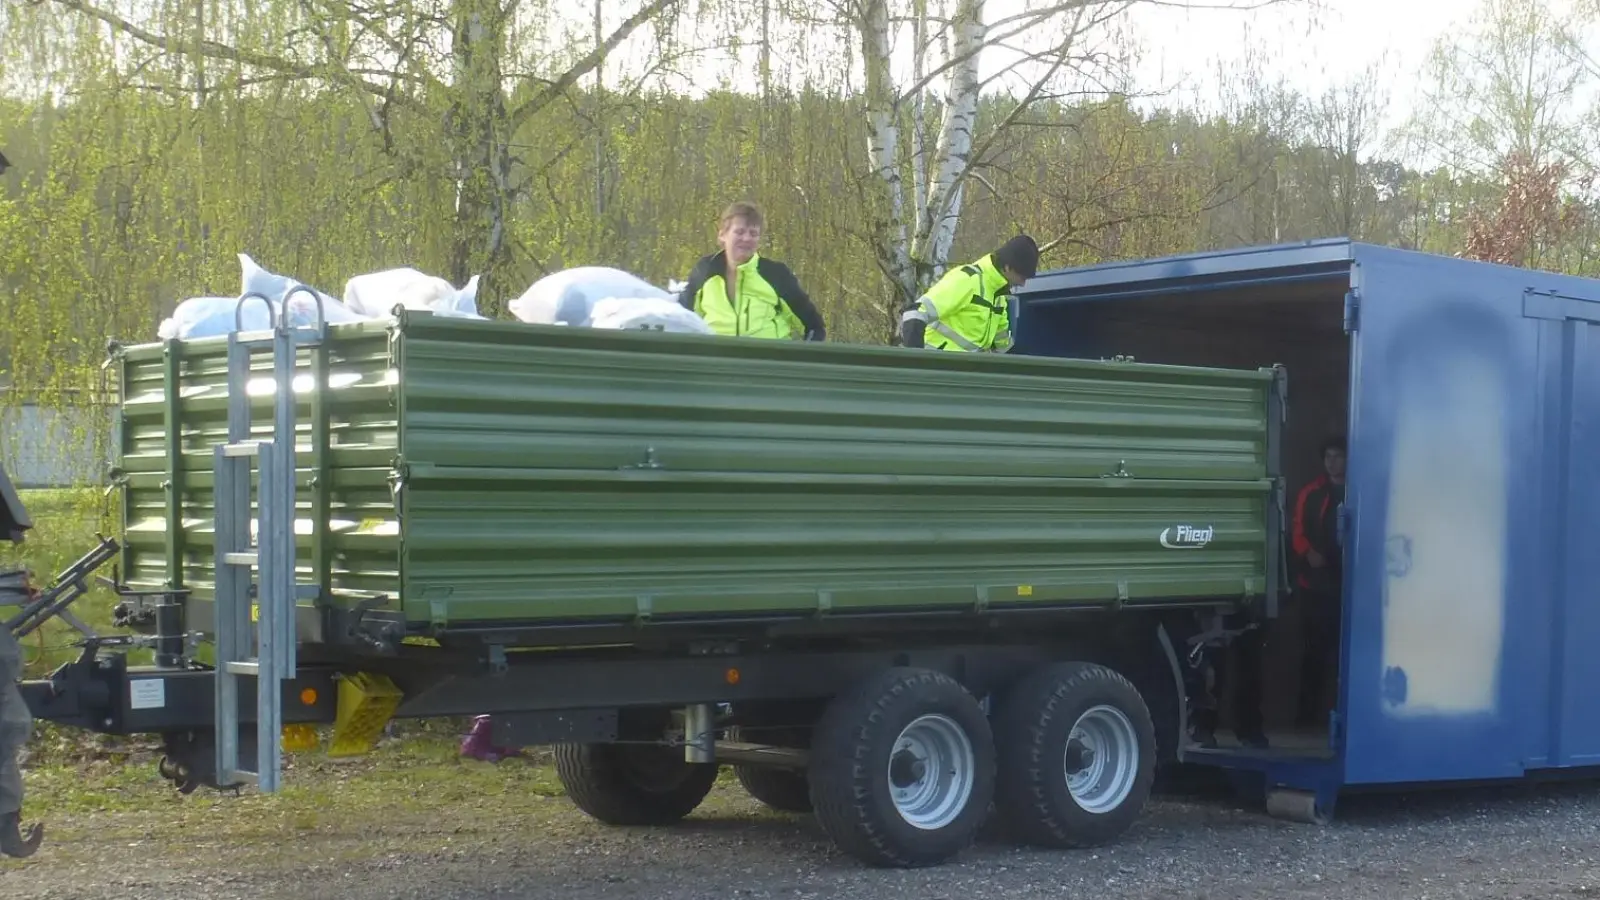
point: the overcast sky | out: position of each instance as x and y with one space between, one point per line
1346 36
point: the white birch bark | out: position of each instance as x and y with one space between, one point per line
884 141
938 229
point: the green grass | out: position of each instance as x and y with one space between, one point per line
413 794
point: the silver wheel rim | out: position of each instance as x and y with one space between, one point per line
931 772
1101 759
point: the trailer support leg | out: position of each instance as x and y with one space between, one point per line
699 733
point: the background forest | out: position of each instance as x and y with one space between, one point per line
152 141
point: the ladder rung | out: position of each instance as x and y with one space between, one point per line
243 667
242 558
244 775
244 448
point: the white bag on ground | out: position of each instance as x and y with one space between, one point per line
568 297
646 314
376 294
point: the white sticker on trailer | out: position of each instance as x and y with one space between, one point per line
147 693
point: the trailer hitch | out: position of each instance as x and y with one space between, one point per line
52 602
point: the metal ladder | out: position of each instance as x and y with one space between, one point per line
258 649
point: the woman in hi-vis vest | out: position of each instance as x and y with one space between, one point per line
741 293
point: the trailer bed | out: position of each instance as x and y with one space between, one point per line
468 474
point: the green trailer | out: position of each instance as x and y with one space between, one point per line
884 584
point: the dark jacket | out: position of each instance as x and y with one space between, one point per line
770 301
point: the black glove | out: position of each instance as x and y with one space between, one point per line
912 332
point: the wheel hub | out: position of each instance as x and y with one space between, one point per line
907 768
1101 759
1080 756
931 772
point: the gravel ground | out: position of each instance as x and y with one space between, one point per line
1541 842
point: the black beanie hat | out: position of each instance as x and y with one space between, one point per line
1020 253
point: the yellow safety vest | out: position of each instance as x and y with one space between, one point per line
769 302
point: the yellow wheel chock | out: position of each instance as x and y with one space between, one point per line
366 703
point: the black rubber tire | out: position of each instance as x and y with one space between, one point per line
1032 723
601 782
850 752
785 790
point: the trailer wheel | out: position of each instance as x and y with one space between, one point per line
902 769
784 790
632 784
1077 754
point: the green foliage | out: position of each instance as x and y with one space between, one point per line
140 176
65 524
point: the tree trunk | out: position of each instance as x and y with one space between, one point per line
955 142
883 152
476 127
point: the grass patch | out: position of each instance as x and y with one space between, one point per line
413 794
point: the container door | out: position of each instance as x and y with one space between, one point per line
1435 548
1569 357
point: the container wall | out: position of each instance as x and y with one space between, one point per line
599 475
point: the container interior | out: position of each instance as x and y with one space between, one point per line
1297 325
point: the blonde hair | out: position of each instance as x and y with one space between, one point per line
742 209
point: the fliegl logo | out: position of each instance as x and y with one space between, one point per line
1187 537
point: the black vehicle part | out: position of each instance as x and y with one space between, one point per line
633 784
902 769
784 790
67 588
1077 756
190 760
777 787
14 521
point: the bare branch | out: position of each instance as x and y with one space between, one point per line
588 63
215 50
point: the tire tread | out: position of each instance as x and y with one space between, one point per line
844 785
596 783
1024 790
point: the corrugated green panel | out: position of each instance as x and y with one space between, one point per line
592 475
516 396
363 531
554 474
364 548
521 544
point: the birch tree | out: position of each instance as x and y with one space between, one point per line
1504 92
927 145
446 83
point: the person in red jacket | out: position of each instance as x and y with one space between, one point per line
1319 580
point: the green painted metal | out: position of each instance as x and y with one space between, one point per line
483 472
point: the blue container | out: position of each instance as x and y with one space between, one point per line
1470 394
